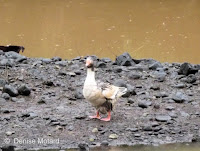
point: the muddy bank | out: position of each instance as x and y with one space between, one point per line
42 106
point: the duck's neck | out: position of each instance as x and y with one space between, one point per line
90 75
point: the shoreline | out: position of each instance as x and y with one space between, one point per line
42 98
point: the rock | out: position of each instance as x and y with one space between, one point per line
160 76
120 83
104 143
180 86
10 90
187 69
113 136
78 94
24 90
3 82
55 59
5 96
106 60
131 89
13 55
124 60
179 97
155 65
101 65
117 69
46 60
42 101
196 138
147 128
8 133
162 95
8 148
169 108
191 78
83 147
48 83
144 104
61 63
72 74
7 62
95 130
130 101
155 87
134 76
163 118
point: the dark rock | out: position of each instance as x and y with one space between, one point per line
24 90
147 128
8 148
55 59
48 83
191 78
101 65
124 60
156 106
130 101
162 95
42 101
187 69
3 82
117 69
163 118
155 87
130 91
155 65
5 96
179 97
144 104
134 76
196 138
83 147
10 90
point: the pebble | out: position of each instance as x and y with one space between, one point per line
12 91
113 136
163 118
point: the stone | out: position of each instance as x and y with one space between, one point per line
24 90
104 143
187 69
46 60
144 104
95 130
10 90
7 62
101 65
78 94
55 59
13 55
155 65
179 97
163 118
120 83
8 133
3 82
191 78
61 63
83 147
124 60
113 136
169 108
180 86
130 101
134 76
5 96
48 83
117 69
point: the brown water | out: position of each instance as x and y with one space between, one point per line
166 30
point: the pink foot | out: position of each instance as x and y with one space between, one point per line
97 117
106 119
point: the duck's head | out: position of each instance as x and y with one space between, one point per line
89 62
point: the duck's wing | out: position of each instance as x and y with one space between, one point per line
110 91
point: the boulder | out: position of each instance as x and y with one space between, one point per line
12 91
187 69
124 60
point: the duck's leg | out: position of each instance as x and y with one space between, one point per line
95 116
108 117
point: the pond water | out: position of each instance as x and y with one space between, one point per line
164 30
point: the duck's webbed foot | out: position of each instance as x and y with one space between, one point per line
108 117
97 116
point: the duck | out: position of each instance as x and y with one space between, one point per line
14 48
102 95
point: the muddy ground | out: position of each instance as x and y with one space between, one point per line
42 106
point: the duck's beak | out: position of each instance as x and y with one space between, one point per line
88 62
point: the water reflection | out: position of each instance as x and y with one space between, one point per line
164 30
